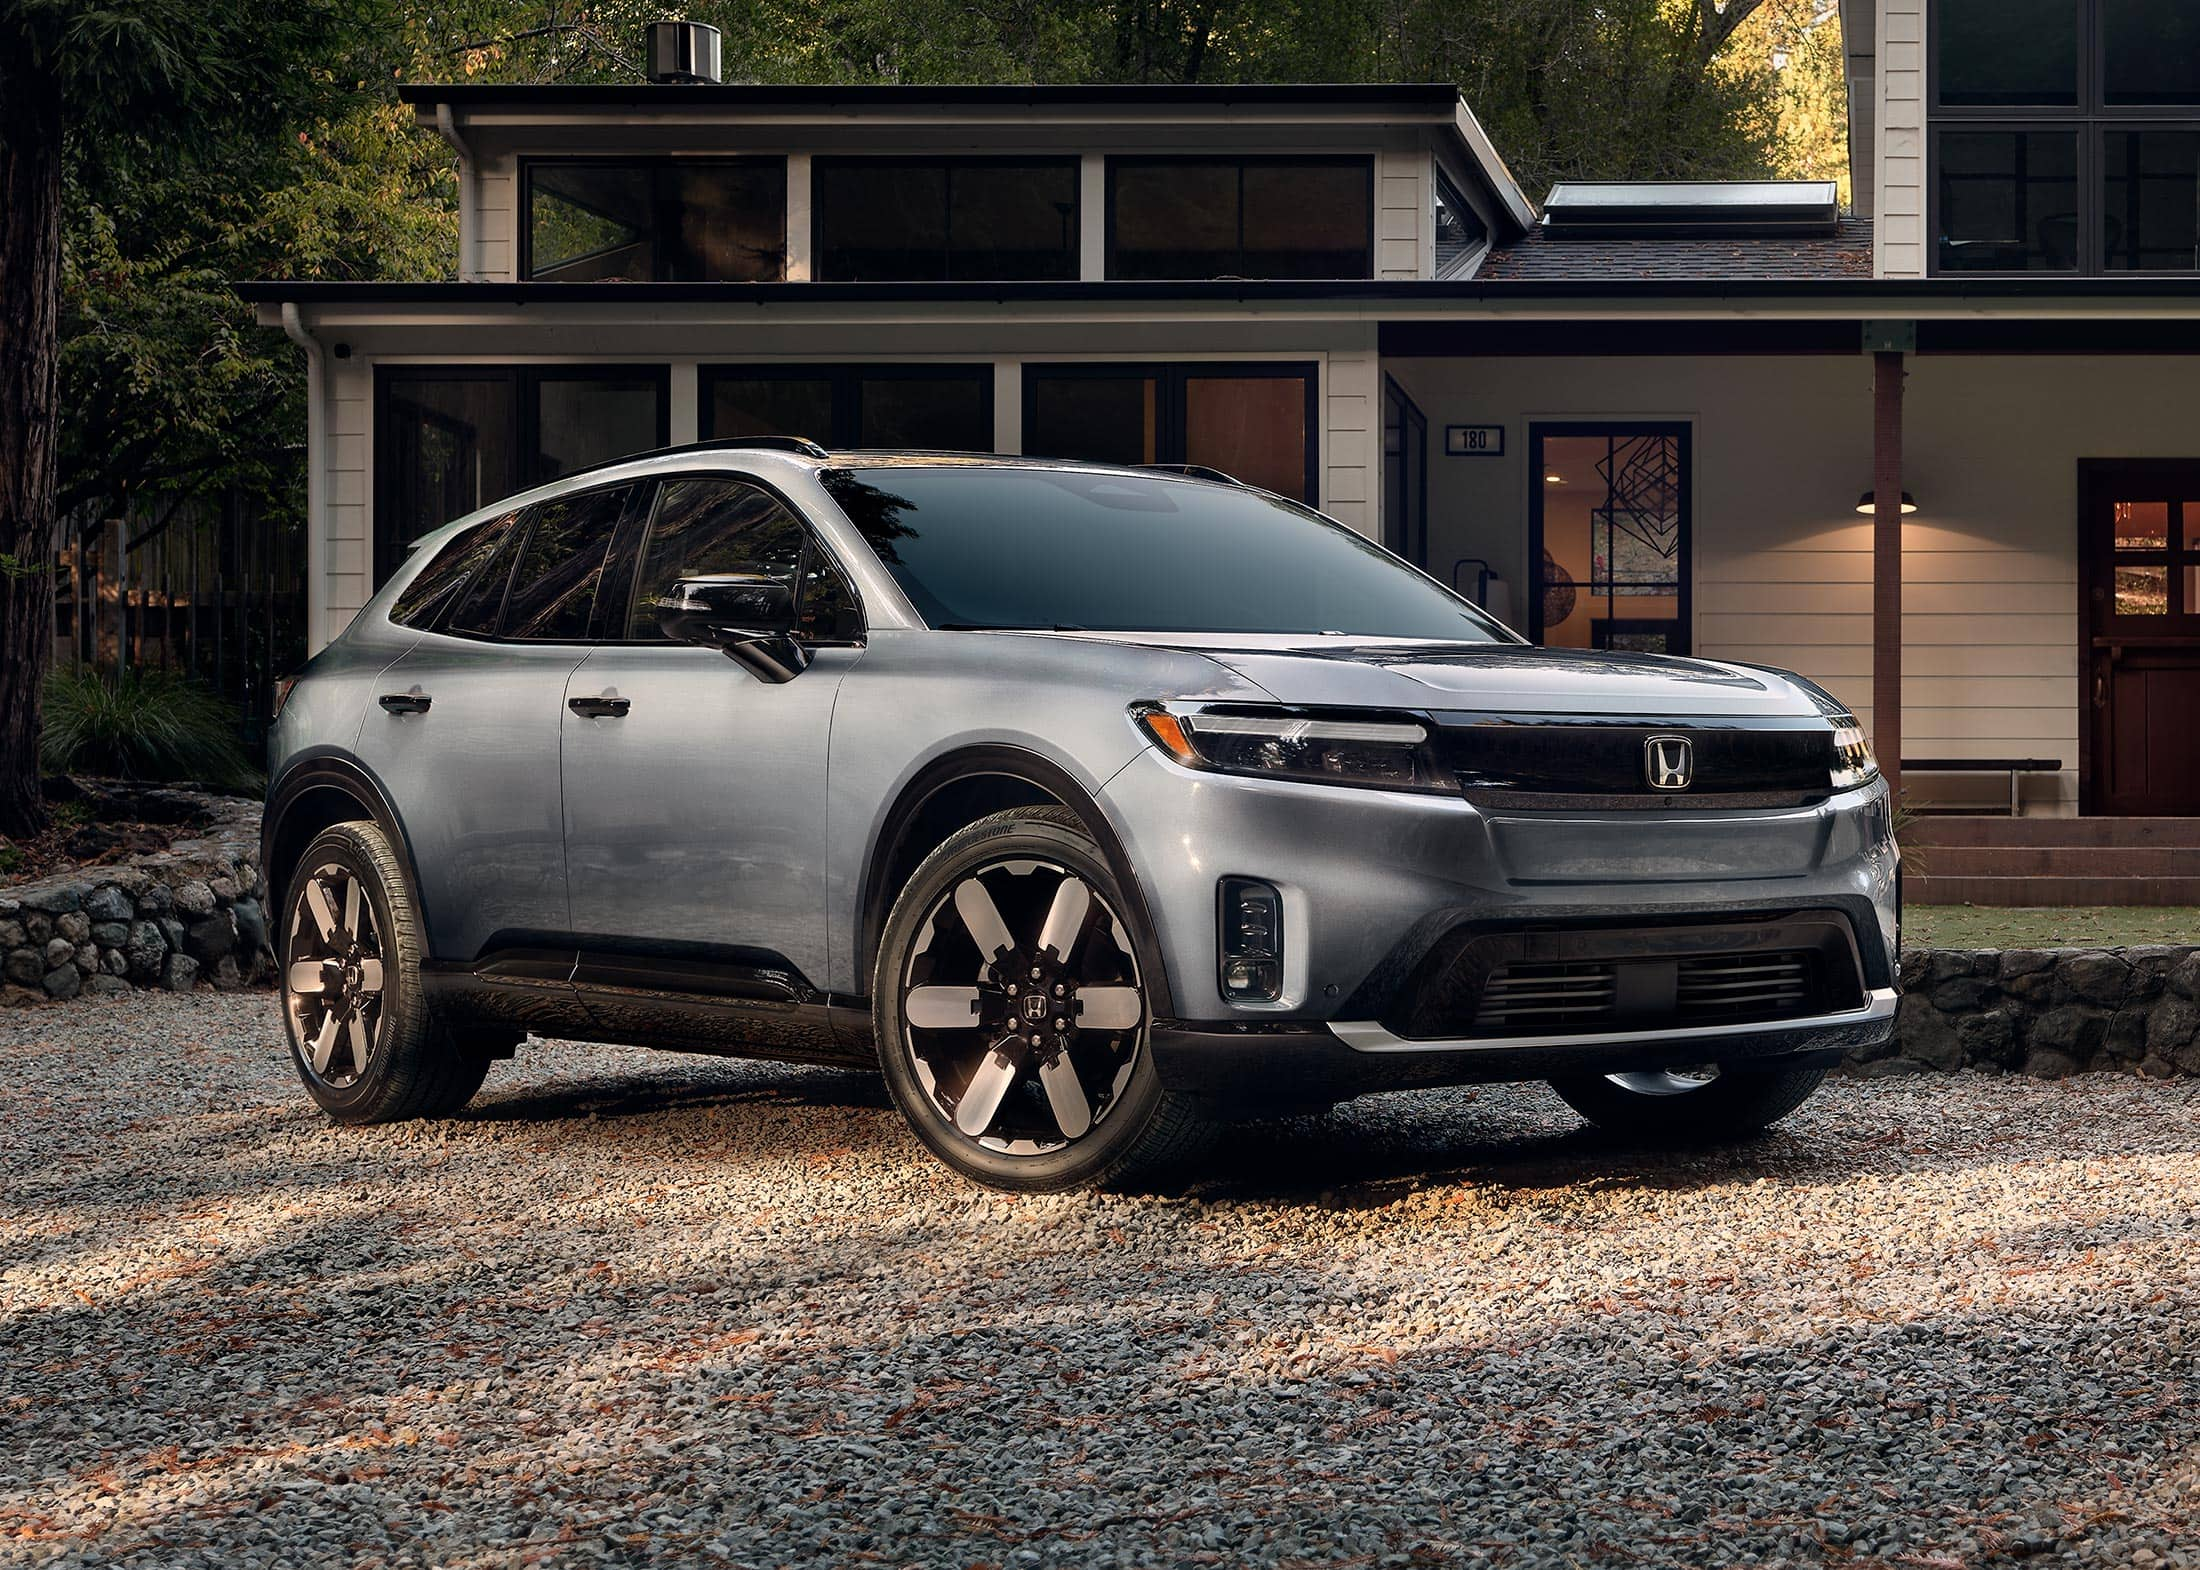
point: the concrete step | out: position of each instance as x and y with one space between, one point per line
2057 861
1936 888
1929 830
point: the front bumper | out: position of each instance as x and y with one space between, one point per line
1249 1068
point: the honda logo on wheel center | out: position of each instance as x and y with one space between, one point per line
1035 1006
1669 762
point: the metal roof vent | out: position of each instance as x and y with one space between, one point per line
1611 209
683 52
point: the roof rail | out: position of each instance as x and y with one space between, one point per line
797 444
1193 471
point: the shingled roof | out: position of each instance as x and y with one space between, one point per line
1541 258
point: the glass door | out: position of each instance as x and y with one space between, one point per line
1608 546
2139 561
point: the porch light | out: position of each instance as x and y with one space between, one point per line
1867 504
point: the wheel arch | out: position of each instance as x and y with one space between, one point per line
316 793
957 790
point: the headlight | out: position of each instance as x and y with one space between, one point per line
1853 763
1384 752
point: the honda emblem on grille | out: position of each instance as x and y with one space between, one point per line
1669 762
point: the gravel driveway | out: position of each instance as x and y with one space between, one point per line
641 1308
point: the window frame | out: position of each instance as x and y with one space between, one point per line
1069 164
1463 265
845 378
654 163
1364 162
1170 404
1684 432
2092 118
626 557
388 553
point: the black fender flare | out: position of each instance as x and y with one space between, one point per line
876 900
334 771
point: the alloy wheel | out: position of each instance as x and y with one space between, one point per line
1022 1008
333 975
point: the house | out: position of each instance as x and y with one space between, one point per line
1627 416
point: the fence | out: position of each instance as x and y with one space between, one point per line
209 587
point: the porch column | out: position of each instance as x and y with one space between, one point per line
1887 375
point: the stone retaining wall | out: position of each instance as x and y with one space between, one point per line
2046 1012
194 912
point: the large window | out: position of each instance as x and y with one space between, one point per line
923 218
718 220
941 408
2066 136
450 439
1240 218
1254 421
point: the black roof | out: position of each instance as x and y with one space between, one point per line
1628 264
1434 97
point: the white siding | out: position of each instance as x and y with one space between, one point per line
1899 238
1404 243
1351 449
496 228
348 479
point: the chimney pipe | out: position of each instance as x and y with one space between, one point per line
683 52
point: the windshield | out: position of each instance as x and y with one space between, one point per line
1067 549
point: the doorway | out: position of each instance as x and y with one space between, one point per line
1608 545
1405 475
2139 613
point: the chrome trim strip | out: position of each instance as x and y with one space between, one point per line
1365 1035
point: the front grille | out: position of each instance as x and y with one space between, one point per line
1559 981
1551 763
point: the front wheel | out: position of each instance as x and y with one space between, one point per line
1011 1011
1699 1104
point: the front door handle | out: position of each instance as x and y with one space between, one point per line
600 708
406 702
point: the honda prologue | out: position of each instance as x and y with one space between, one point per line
1091 805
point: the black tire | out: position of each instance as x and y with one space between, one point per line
413 1066
1734 1104
1137 1129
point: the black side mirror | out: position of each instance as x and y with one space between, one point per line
747 614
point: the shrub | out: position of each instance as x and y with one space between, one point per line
154 725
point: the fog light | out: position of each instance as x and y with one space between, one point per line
1251 944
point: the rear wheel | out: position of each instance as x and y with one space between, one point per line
360 1031
1707 1103
1012 1011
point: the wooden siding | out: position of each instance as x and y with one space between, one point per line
1899 239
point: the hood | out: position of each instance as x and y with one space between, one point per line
1349 672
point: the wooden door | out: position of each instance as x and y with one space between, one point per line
2139 613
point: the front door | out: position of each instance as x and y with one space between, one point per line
1608 524
2139 593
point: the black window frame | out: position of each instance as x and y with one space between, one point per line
515 546
388 552
654 163
1071 165
1170 377
1444 189
2092 119
1364 162
626 557
846 380
1685 550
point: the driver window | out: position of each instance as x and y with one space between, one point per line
712 526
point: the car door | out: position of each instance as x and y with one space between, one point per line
694 789
465 733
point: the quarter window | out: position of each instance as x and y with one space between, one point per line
705 221
909 218
553 595
442 580
1175 218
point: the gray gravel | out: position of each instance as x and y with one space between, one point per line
641 1308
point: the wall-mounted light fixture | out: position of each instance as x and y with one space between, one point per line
1868 503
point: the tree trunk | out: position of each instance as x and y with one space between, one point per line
30 308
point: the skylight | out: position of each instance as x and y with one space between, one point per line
1602 208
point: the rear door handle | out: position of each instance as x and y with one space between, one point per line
600 708
406 702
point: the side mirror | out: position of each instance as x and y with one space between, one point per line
747 614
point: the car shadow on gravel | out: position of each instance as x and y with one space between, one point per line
741 1083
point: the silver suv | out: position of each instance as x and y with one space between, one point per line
1092 805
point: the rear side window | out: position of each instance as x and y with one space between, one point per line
554 585
712 526
442 581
